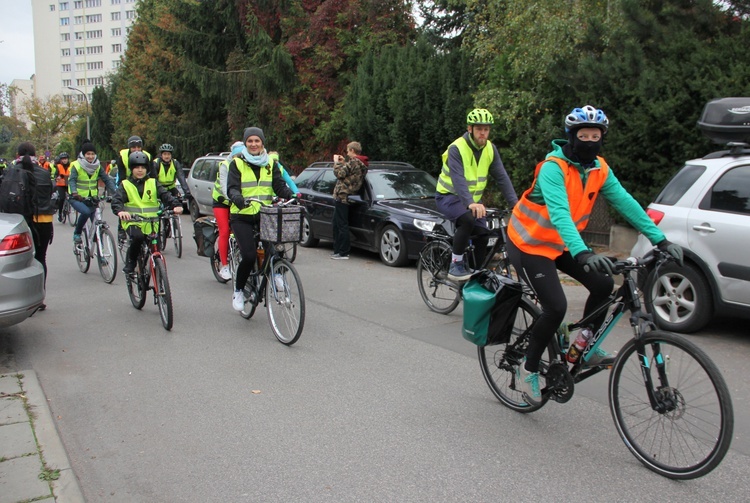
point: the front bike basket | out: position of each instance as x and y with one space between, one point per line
281 224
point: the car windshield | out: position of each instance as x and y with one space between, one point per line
401 184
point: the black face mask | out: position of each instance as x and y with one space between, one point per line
586 151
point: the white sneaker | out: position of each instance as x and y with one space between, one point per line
279 281
238 300
225 273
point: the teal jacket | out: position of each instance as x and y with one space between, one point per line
549 190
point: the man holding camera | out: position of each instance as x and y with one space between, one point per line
350 174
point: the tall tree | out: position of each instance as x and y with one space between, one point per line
50 118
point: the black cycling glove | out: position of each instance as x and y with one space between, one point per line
598 262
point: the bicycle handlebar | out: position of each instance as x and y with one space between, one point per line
632 263
276 201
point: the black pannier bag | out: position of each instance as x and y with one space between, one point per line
205 233
490 305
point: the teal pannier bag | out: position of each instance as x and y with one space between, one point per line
490 305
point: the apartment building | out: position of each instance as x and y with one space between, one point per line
77 43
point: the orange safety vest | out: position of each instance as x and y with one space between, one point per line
64 172
530 227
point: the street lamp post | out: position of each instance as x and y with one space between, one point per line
85 97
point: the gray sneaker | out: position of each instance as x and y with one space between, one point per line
528 384
459 272
336 256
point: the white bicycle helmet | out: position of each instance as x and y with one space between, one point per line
586 116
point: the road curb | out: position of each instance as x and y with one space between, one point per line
65 488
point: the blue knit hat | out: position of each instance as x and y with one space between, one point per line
236 148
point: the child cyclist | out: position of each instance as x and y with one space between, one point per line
140 194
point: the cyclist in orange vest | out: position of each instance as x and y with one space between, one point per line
545 234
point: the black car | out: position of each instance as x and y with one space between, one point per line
390 215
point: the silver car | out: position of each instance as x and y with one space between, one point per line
21 276
201 181
705 208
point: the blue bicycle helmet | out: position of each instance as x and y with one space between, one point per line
586 116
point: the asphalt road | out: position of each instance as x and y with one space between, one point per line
380 400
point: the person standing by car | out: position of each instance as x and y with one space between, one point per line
168 171
85 173
44 209
221 204
61 174
251 174
545 234
463 178
18 188
350 175
140 194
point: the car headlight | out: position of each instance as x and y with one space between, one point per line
424 225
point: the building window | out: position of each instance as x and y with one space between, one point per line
66 82
129 14
116 48
66 68
96 81
95 65
78 20
64 37
116 32
80 67
129 1
97 49
116 63
64 21
79 35
94 34
65 52
94 18
115 16
80 82
115 2
52 7
93 3
80 51
63 6
78 4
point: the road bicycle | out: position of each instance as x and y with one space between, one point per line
273 281
97 241
441 294
669 402
151 274
171 226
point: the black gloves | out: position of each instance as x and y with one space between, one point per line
590 261
673 249
239 201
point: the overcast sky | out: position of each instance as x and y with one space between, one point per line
17 36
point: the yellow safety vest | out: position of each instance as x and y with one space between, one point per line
167 177
216 192
86 186
125 156
475 173
252 187
145 206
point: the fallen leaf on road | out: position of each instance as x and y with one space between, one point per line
255 392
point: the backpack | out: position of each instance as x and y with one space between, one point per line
490 304
14 194
205 233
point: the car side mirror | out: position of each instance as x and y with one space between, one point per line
356 199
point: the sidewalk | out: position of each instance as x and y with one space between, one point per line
33 462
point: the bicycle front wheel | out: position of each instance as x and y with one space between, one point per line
83 257
137 284
107 256
499 362
72 216
687 432
290 251
437 291
177 235
162 293
285 302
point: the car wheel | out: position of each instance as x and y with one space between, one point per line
679 298
308 240
195 212
392 247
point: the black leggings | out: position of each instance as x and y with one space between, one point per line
137 238
541 273
42 233
244 233
467 227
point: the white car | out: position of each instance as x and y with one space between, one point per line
21 275
705 208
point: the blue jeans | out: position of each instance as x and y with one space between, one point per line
84 213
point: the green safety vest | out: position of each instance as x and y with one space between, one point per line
86 186
216 193
146 205
125 156
252 187
475 174
167 177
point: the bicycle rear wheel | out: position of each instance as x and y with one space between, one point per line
690 433
177 235
136 284
499 362
83 256
162 293
107 256
437 291
285 302
216 264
